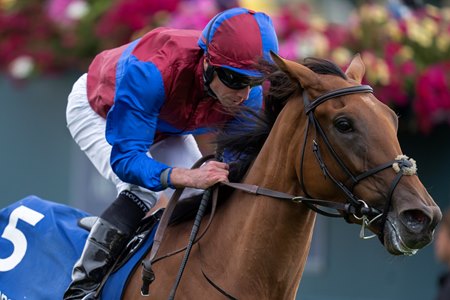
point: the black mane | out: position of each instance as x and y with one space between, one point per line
245 138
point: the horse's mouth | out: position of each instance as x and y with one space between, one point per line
394 242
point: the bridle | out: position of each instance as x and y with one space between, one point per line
356 207
353 206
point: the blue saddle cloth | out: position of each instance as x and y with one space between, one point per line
40 242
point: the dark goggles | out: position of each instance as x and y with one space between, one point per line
234 80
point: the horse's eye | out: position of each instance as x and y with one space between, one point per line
343 125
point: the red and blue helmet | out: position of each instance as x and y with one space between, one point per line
237 38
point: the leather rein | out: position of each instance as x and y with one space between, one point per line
353 206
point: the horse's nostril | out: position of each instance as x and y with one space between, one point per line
415 220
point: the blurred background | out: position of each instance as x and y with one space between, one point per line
45 45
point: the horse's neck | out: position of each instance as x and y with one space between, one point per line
266 236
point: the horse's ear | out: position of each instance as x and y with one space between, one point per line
356 69
280 62
296 71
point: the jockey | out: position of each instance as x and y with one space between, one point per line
136 111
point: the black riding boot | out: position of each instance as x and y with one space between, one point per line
103 246
107 239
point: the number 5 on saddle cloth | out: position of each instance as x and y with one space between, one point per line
41 240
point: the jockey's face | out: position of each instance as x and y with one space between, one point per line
228 97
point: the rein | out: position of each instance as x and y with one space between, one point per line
257 190
148 276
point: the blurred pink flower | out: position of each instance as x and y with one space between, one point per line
128 16
401 72
125 20
292 19
56 11
288 48
432 101
193 14
408 68
337 35
394 93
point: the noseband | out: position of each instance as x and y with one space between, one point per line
354 206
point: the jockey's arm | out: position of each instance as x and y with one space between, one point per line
138 108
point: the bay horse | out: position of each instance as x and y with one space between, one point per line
340 148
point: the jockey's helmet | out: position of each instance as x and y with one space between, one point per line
237 38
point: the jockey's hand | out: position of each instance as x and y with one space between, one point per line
207 175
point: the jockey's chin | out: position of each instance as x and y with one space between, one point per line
230 102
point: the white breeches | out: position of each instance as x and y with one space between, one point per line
88 131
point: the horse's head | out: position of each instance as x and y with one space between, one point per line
351 138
